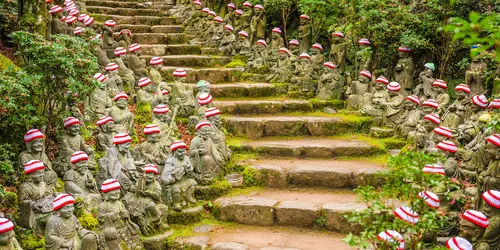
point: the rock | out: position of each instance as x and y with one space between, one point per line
271 176
368 176
335 220
157 241
287 126
394 152
379 132
329 110
204 228
186 216
229 246
251 130
320 177
293 213
247 210
191 242
263 106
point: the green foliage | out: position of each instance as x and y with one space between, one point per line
88 221
5 63
8 200
235 63
30 240
215 190
8 17
249 176
143 114
7 161
320 221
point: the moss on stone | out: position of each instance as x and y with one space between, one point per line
393 143
215 190
143 114
320 104
88 221
30 240
250 177
8 201
236 63
186 216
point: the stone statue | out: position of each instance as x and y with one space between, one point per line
229 18
162 117
242 45
35 150
203 88
99 100
474 76
357 89
161 96
393 104
204 102
226 43
218 33
364 55
491 209
198 23
194 16
247 17
258 61
304 32
403 72
114 82
118 230
177 177
489 178
209 29
8 239
281 71
34 197
124 39
56 25
63 230
70 24
330 84
442 97
109 43
425 80
135 63
183 96
218 137
154 71
152 150
79 181
238 20
338 50
123 118
374 103
453 116
424 130
317 59
102 58
276 39
207 161
125 73
472 226
408 118
145 205
70 143
104 139
294 57
145 94
303 81
479 140
470 124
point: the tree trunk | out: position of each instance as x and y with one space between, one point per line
33 16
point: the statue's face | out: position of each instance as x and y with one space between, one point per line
409 105
121 103
363 79
475 108
283 56
204 132
66 211
380 86
82 166
35 145
181 79
113 72
204 89
275 35
73 129
137 52
109 127
180 153
402 54
469 230
36 176
153 138
150 177
303 21
304 60
427 109
113 195
158 66
102 85
123 148
215 120
257 11
164 117
210 17
492 150
337 39
460 95
295 49
428 125
438 89
392 93
6 237
489 211
315 51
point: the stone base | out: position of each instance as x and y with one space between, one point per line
190 242
379 132
186 216
229 246
157 241
214 191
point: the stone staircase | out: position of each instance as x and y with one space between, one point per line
307 161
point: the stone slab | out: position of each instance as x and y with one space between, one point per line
159 38
294 213
270 175
157 241
212 75
140 20
229 90
379 132
190 60
229 246
335 220
247 210
191 242
186 216
124 11
114 4
255 107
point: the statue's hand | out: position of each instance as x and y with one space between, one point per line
124 214
89 150
68 244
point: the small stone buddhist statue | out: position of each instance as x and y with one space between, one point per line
123 118
472 226
203 88
135 63
114 82
303 81
357 89
145 94
104 139
393 104
35 150
364 55
126 74
258 24
403 72
330 84
453 116
218 137
207 161
247 16
489 178
226 42
491 209
442 97
374 102
124 39
304 32
218 33
425 80
8 239
152 150
183 97
229 17
238 20
317 59
109 43
99 99
474 76
242 45
79 181
56 25
276 44
338 50
470 127
258 61
408 118
281 71
162 117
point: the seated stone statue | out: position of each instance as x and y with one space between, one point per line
247 16
161 96
145 205
403 72
104 139
357 89
303 81
453 116
99 99
135 63
183 97
330 84
79 181
258 24
8 239
474 76
145 94
276 45
109 43
204 102
118 230
242 45
124 39
209 29
162 117
102 58
218 137
440 134
238 20
407 119
154 71
203 87
227 40
393 104
374 102
126 74
479 140
364 55
470 126
56 25
229 17
281 71
317 59
35 150
338 50
425 80
34 197
114 82
63 230
423 131
489 178
295 49
177 177
442 98
207 161
123 118
304 32
491 209
152 150
472 226
258 60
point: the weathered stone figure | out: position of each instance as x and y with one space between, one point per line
304 32
424 130
470 125
247 16
229 18
183 96
281 71
425 80
135 63
393 104
204 155
330 84
163 119
474 76
99 100
8 239
374 102
114 82
109 43
403 72
209 29
238 20
203 88
442 97
258 61
491 209
56 25
154 71
226 43
490 177
35 150
453 116
276 44
218 137
357 89
303 81
408 118
218 33
242 45
295 49
125 73
152 150
123 118
317 59
102 58
364 55
145 94
338 50
472 226
124 39
104 139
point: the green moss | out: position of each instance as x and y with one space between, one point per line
320 104
59 186
88 221
8 201
236 63
215 190
245 76
6 62
393 143
261 70
29 240
250 177
187 216
143 114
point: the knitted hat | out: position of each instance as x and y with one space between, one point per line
202 83
112 67
338 34
134 47
6 225
247 4
262 42
103 120
439 83
243 33
231 5
329 65
70 121
364 41
433 118
63 18
430 103
480 101
82 17
120 51
163 92
212 13
197 2
382 79
120 95
404 49
218 19
392 236
68 2
431 199
304 16
110 185
494 139
96 37
63 200
100 77
458 243
74 12
394 87
444 131
161 109
121 138
204 99
110 23
205 10
202 124
32 166
433 169
495 104
126 31
179 73
462 87
448 146
143 82
414 99
212 112
151 168
156 60
79 156
238 12
305 55
284 50
70 19
430 66
229 27
88 21
492 197
33 134
276 30
476 217
176 145
151 129
366 73
55 9
406 214
259 7
317 46
294 42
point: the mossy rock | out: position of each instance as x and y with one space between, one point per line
29 240
9 201
186 216
143 114
214 191
177 38
236 63
321 104
393 143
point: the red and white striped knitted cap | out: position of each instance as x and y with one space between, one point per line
179 73
317 46
444 131
204 99
110 23
205 10
364 41
366 73
103 120
480 101
70 121
294 42
393 86
476 217
238 12
78 30
392 236
406 214
433 169
151 129
305 55
100 77
161 109
68 2
231 5
430 198
63 18
150 168
439 83
243 33
338 34
448 146
495 104
121 138
110 185
176 145
134 47
163 92
33 134
463 87
88 21
120 95
156 60
202 124
70 19
330 65
414 99
382 79
143 82
126 31
494 139
212 13
79 156
6 225
96 37
433 118
218 19
63 200
276 30
55 9
228 27
120 51
284 50
69 8
82 17
262 42
112 67
430 103
32 166
258 6
404 49
212 112
304 16
74 12
492 197
247 4
458 243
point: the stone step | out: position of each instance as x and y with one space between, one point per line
192 60
311 147
159 38
115 4
140 20
138 28
258 106
297 208
125 11
240 89
212 75
282 125
171 49
296 172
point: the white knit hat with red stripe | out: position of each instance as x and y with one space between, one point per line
79 156
238 12
120 95
70 121
404 49
258 6
458 243
212 112
33 134
495 104
143 82
126 31
338 34
480 101
294 42
448 146
55 9
434 169
261 42
100 77
103 120
430 103
134 47
88 21
150 168
212 13
202 124
68 2
120 51
462 87
406 214
179 73
430 198
243 33
121 138
151 129
304 16
492 197
444 131
176 145
317 46
32 166
78 30
112 67
63 200
156 60
476 217
439 83
231 5
494 139
161 109
284 50
330 65
392 237
218 19
74 12
163 92
305 55
364 41
6 225
382 79
70 19
110 185
110 23
433 118
247 4
205 10
414 99
393 86
228 27
366 73
204 99
82 17
276 30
